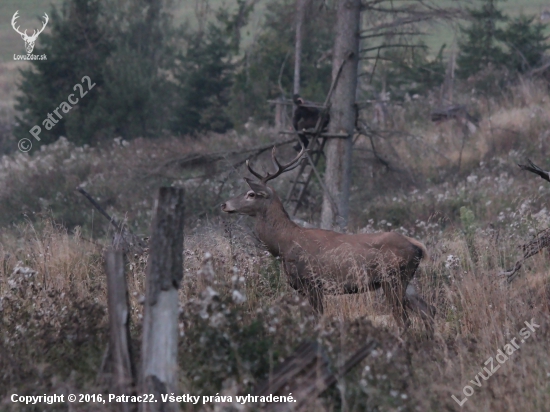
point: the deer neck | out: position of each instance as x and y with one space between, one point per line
275 229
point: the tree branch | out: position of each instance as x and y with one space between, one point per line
385 46
391 34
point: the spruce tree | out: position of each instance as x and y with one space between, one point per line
75 47
526 42
479 46
122 47
204 78
266 70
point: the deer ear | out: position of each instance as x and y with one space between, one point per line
259 188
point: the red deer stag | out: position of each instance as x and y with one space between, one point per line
319 262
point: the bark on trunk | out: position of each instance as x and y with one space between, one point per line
342 114
160 322
300 13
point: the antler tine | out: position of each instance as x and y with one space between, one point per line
293 161
13 19
286 167
44 23
259 176
280 168
46 20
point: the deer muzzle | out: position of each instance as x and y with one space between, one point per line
226 207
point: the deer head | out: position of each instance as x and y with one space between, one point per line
256 201
29 40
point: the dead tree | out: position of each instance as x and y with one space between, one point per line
301 6
160 321
342 112
457 112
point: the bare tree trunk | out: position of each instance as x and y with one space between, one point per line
300 14
447 87
160 322
119 322
342 113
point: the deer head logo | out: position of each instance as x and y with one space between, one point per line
29 40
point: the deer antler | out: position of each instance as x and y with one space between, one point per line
15 17
35 33
280 168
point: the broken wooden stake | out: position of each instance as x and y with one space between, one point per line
160 321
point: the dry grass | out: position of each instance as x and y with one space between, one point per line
53 313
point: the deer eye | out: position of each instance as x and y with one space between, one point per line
251 195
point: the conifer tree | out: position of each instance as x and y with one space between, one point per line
122 47
75 47
204 79
526 43
480 47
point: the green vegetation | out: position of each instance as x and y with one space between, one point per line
496 48
152 77
123 62
479 49
267 69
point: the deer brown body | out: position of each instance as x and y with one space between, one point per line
319 262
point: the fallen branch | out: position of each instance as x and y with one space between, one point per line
540 242
364 131
314 134
98 207
533 168
123 238
200 159
453 112
307 374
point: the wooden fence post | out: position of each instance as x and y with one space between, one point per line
160 320
119 325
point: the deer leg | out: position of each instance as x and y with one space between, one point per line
425 310
305 283
315 295
395 296
310 289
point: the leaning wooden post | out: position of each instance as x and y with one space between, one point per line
160 321
119 322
